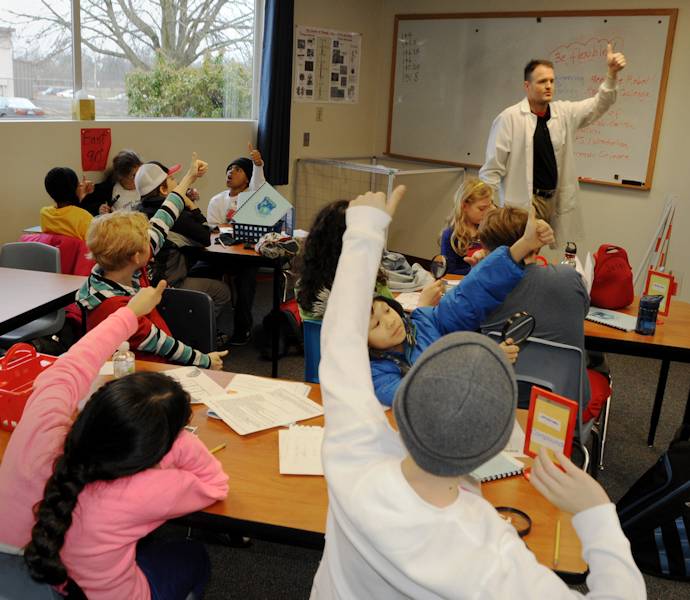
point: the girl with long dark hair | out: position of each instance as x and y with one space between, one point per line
102 479
319 258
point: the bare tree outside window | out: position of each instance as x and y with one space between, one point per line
146 58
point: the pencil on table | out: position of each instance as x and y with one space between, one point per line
557 546
218 448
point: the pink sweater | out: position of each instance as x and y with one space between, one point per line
110 517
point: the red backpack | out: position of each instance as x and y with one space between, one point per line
613 279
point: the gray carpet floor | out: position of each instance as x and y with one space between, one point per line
274 571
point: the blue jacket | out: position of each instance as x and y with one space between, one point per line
464 308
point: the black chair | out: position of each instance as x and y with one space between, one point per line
558 368
191 318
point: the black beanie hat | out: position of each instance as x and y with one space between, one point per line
61 184
245 164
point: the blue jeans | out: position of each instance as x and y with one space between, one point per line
174 569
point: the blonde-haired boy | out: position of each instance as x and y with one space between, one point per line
122 243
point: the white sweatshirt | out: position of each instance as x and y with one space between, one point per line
382 540
223 202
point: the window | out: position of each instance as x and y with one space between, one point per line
138 58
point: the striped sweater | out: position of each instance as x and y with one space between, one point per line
100 297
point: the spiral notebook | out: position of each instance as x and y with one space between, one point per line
499 467
612 318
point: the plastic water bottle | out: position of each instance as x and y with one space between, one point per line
570 254
123 361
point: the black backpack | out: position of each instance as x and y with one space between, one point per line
655 513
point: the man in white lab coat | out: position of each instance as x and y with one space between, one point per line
530 152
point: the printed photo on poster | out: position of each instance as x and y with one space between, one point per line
327 64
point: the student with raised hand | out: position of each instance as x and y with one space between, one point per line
155 181
554 294
122 244
241 174
104 478
402 520
396 341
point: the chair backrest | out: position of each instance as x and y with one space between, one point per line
191 318
73 251
33 256
556 367
312 349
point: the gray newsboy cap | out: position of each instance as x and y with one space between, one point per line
455 408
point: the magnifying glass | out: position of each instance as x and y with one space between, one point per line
518 327
518 519
438 266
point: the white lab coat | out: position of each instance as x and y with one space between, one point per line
509 154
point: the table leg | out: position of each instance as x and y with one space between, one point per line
277 271
658 400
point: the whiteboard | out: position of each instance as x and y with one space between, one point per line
453 74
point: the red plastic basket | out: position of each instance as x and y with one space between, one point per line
18 369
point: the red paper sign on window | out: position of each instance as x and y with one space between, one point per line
95 146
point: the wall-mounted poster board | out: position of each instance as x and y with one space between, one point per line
452 74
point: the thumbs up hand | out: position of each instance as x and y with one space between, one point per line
255 155
537 234
614 60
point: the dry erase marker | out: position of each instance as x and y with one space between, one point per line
218 448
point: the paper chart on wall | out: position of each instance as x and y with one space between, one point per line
327 65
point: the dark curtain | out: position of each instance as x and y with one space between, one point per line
276 90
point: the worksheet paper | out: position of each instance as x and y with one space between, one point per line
195 382
252 383
255 411
300 450
107 368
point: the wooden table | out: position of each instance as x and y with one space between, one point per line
291 509
237 253
27 295
671 342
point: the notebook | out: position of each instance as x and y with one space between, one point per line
500 466
612 318
299 450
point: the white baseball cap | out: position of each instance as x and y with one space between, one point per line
150 175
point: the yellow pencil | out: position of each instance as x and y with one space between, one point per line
557 547
218 448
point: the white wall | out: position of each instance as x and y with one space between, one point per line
620 216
